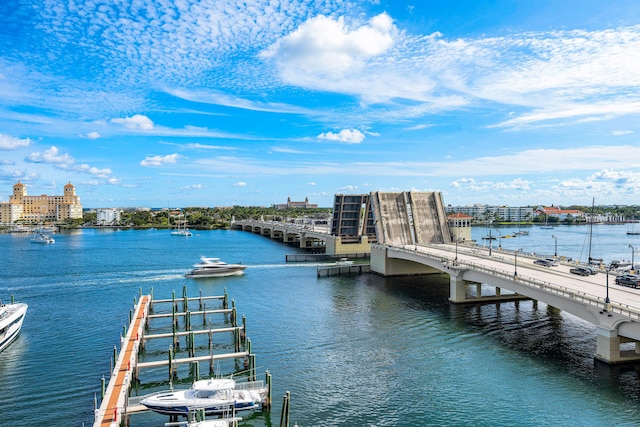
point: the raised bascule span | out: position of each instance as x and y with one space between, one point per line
410 218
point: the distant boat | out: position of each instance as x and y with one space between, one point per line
521 233
181 229
40 237
633 232
546 225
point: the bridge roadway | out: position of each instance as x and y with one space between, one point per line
617 322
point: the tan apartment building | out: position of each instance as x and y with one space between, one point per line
34 209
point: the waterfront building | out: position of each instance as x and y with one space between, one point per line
459 226
108 216
43 208
486 213
561 214
298 205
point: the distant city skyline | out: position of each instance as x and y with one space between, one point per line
222 103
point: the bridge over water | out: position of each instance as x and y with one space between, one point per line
413 238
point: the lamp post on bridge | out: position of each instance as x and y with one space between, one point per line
457 238
633 250
555 252
490 240
515 263
606 300
499 237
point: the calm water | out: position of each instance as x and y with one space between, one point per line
359 351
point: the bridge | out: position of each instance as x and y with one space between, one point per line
614 310
413 238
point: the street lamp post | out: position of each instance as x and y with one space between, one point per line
457 237
490 240
633 250
515 263
606 300
500 237
555 253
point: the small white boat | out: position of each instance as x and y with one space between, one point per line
216 396
11 318
344 261
521 233
214 267
181 229
40 237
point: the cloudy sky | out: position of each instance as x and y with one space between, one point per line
221 102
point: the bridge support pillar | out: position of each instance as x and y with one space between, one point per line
457 289
607 345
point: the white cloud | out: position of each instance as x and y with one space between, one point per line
326 47
67 162
8 142
194 187
621 132
93 135
160 160
348 136
52 155
135 122
240 184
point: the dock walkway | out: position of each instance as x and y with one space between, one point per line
109 413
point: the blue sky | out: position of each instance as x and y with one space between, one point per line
219 103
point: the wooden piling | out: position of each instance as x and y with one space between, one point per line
284 416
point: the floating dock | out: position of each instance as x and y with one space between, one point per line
116 405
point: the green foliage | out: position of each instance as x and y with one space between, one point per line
211 218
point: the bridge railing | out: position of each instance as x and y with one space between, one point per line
582 297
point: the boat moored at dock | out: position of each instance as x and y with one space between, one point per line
214 396
11 318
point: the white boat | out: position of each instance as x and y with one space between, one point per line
521 233
19 228
214 396
344 261
40 237
11 318
214 267
181 229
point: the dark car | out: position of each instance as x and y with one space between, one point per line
631 280
543 262
591 270
581 271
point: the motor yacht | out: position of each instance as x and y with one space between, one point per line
215 396
214 267
11 318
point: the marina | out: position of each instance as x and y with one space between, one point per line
212 396
336 343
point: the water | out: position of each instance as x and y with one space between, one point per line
357 351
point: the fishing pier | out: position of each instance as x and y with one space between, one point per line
117 405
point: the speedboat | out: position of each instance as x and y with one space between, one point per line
11 317
215 396
214 267
344 261
40 237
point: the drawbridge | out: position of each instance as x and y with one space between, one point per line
410 218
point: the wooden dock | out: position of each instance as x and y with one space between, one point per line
110 411
117 406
